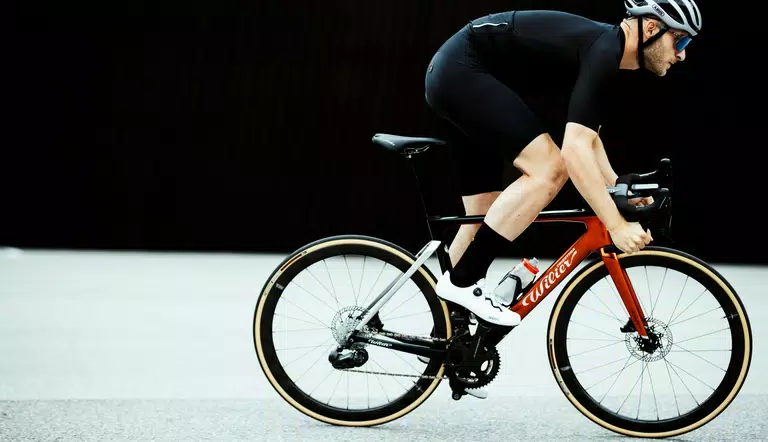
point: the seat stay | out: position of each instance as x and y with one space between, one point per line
374 306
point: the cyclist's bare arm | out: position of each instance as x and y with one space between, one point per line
584 170
602 160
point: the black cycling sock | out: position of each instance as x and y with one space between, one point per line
474 263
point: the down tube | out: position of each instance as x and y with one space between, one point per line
595 237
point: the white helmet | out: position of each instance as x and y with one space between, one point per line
677 14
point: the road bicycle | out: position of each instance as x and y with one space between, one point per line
609 338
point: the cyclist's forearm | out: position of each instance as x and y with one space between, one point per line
602 160
584 171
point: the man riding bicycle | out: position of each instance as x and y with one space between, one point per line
470 82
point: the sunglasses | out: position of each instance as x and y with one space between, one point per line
681 41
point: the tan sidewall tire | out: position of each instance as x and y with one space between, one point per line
719 280
257 334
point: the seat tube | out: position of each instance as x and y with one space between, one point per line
626 291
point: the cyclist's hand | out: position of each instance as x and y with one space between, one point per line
643 201
630 237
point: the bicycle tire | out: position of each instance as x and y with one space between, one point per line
716 403
280 278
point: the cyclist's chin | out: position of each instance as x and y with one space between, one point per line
659 70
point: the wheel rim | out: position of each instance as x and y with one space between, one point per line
328 410
675 349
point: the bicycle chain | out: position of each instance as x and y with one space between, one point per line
400 335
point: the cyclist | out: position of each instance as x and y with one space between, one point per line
470 83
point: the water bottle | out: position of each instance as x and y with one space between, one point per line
515 281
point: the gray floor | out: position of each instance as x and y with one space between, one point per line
134 346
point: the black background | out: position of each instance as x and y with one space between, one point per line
247 127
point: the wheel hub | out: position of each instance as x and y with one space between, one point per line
656 347
344 322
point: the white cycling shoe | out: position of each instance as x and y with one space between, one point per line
475 299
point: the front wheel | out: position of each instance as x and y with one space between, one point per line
689 370
310 303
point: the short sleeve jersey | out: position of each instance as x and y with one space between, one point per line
554 50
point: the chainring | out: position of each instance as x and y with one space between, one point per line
469 372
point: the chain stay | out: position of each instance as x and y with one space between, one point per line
373 332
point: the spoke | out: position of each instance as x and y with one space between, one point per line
301 329
689 374
319 383
380 385
402 303
606 306
678 351
655 402
701 336
626 365
678 299
648 284
674 393
658 295
595 349
324 327
354 292
323 285
640 397
703 359
603 365
360 284
693 317
672 321
684 384
594 339
310 314
396 379
633 389
597 330
610 375
599 312
297 348
397 353
334 390
303 355
327 270
310 294
381 272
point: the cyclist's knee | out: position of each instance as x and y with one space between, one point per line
541 160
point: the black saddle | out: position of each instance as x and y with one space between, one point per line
405 145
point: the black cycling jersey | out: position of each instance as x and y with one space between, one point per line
476 82
553 49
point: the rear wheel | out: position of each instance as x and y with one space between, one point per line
686 374
315 293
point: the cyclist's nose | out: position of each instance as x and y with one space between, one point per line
681 55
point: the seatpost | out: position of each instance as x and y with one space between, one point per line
409 157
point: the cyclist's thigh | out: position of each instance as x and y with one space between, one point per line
487 111
477 169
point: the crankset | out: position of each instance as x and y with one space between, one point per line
468 370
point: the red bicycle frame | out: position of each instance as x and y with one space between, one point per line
594 239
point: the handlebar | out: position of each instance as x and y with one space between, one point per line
658 184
